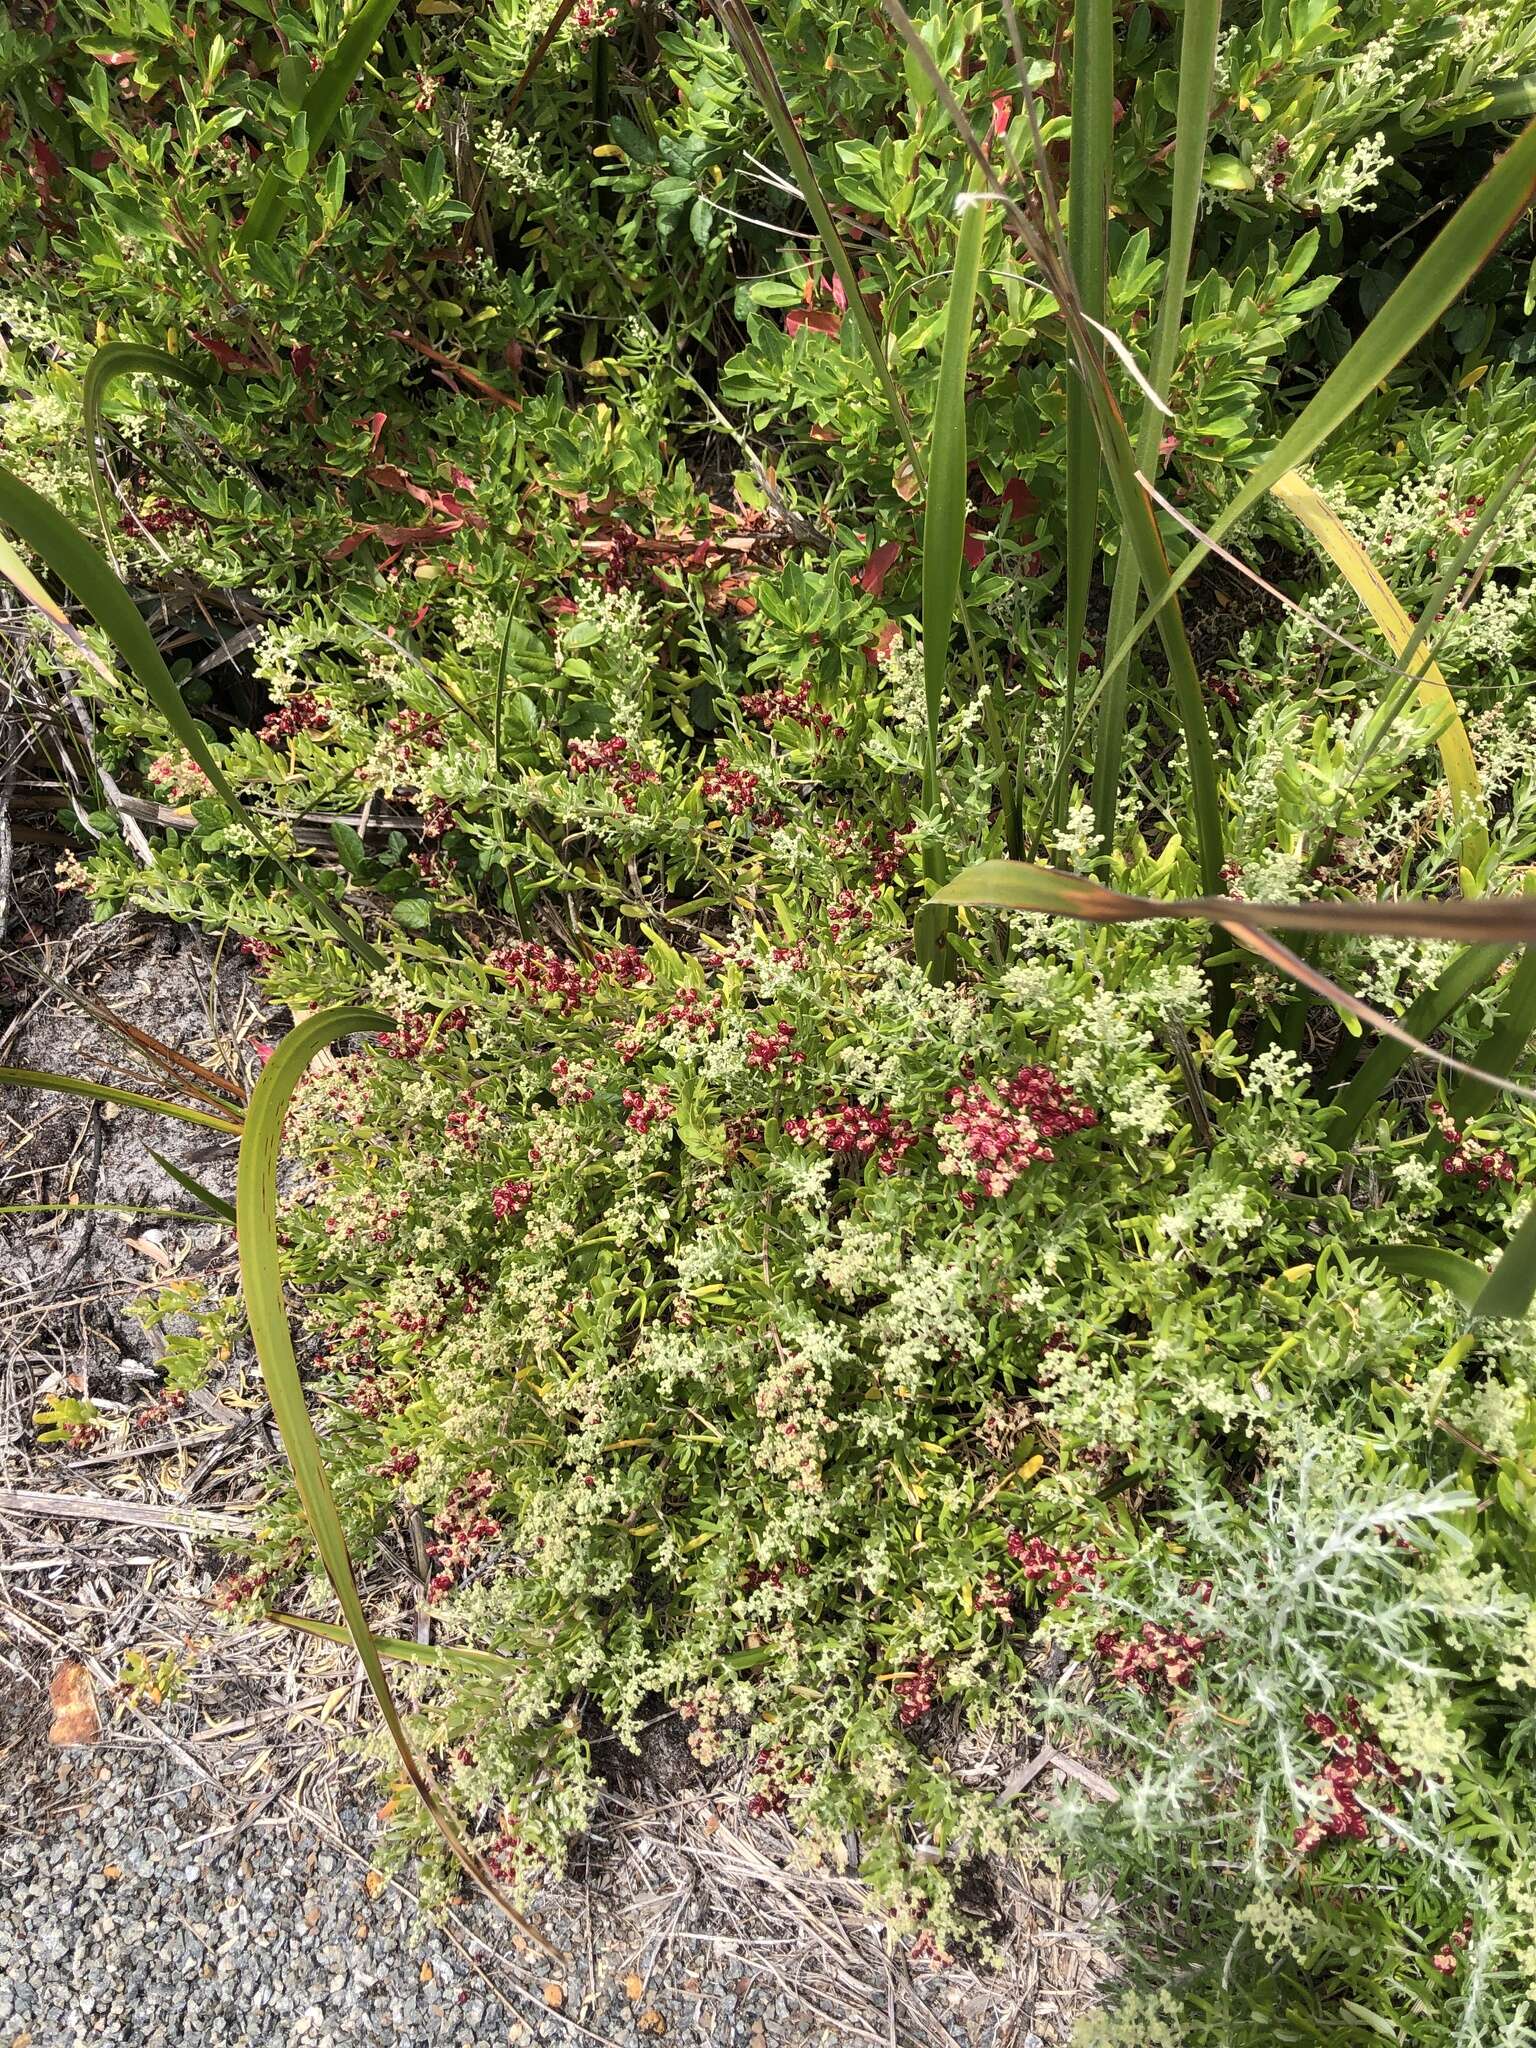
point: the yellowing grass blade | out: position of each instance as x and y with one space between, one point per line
1397 629
261 1282
126 1098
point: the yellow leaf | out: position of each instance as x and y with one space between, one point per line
1434 693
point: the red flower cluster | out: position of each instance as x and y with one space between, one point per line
239 1587
409 1041
511 1199
1003 1133
570 1084
852 1132
1065 1571
462 1531
612 760
1159 1655
918 1693
1489 1162
437 820
400 1464
690 1010
542 972
768 707
415 732
645 1110
304 713
737 789
1356 1759
769 1772
260 952
1444 1960
765 1049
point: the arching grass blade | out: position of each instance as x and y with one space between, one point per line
112 360
262 1285
125 1098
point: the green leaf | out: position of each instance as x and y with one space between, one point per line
1093 127
321 104
1229 174
215 1204
1432 1262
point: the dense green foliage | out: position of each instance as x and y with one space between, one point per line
769 1329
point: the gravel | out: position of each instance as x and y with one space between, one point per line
136 1909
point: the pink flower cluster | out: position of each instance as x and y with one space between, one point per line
1165 1656
179 776
1065 1571
1002 1133
462 1530
416 732
1444 1959
511 1199
918 1692
303 713
1356 1759
851 1131
1490 1163
612 760
409 1040
571 1085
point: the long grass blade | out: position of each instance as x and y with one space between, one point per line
1506 1042
322 103
944 509
214 1204
112 360
1468 972
1093 127
1435 282
82 569
262 1285
401 1649
743 32
1434 693
125 1098
1433 1262
1512 1282
1199 34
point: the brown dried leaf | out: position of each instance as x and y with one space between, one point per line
73 1699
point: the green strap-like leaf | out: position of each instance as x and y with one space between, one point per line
215 1204
1433 1262
1468 972
262 1284
1199 35
1512 1282
1508 1039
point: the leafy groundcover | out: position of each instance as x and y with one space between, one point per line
883 1338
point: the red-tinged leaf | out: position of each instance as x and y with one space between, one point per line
391 478
889 636
974 549
376 423
512 355
871 578
1019 499
47 166
115 58
819 319
461 482
1002 113
228 358
839 296
302 358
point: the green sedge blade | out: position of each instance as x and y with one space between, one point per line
1512 1282
126 1098
215 1204
1433 1262
1093 127
948 465
436 1656
83 570
1467 973
261 1283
